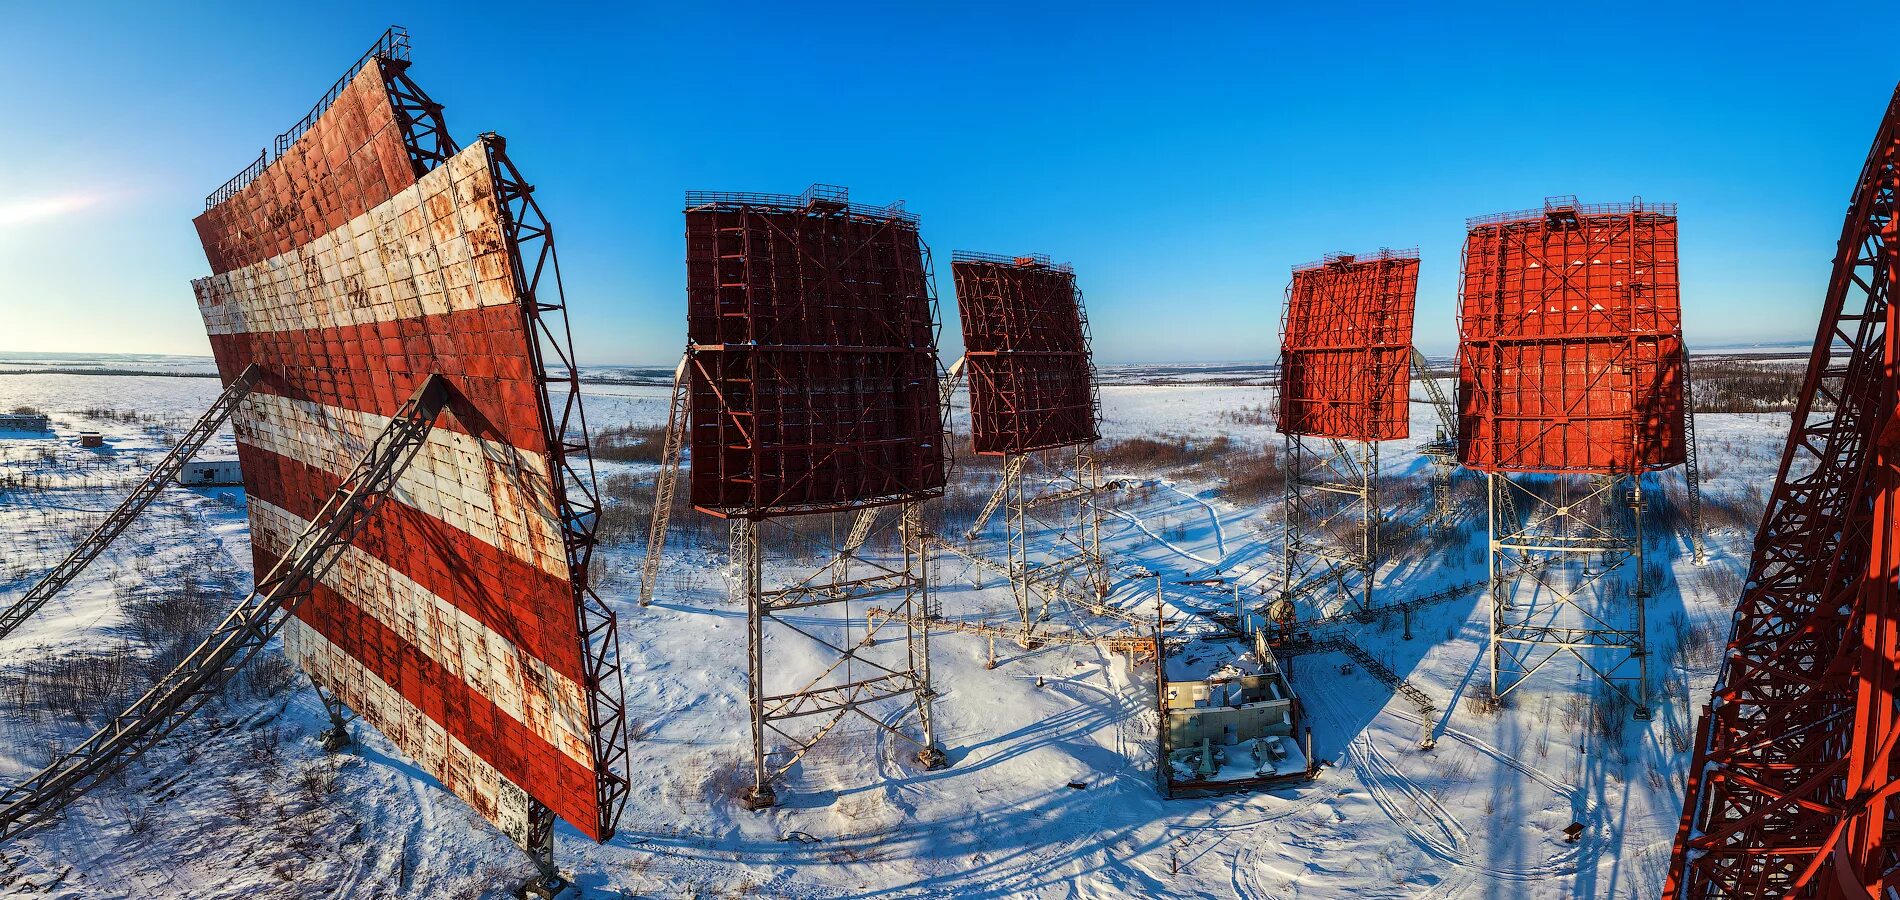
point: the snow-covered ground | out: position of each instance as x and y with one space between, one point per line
242 802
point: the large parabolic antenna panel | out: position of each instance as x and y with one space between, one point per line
1346 347
814 355
1026 354
351 268
1571 341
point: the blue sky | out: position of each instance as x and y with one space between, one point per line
1182 158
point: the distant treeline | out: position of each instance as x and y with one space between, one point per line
1740 386
151 372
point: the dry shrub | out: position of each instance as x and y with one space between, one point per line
630 443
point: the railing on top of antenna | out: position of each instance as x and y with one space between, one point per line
825 194
1634 207
238 181
830 193
393 44
1024 260
1343 258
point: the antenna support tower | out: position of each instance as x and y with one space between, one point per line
1034 404
1570 382
810 399
1345 357
1791 788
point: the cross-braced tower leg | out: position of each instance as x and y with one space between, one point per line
1692 467
1088 477
1016 540
815 659
1567 580
1332 525
917 633
748 561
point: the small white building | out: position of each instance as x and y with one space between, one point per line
34 422
211 473
1232 722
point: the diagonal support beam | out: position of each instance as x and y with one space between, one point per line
243 632
115 523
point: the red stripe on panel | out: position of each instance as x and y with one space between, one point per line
349 161
520 755
532 609
373 368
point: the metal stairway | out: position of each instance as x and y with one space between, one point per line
142 496
242 633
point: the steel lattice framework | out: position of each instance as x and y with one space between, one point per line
1034 402
1571 381
811 389
812 331
1442 450
1345 363
1026 348
1790 792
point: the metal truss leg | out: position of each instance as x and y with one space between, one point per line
1088 475
337 736
1498 595
747 559
1017 542
547 882
857 679
1370 521
1638 637
923 606
1692 466
1554 569
1332 526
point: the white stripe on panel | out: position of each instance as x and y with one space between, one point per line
526 688
421 738
434 247
501 495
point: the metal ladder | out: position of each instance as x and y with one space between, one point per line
1692 470
242 633
666 481
142 496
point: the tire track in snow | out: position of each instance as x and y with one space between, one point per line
1443 837
1142 524
1220 534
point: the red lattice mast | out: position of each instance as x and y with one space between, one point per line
1790 792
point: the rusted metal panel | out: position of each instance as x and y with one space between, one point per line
467 772
352 159
1570 334
452 624
1346 345
814 359
1026 354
